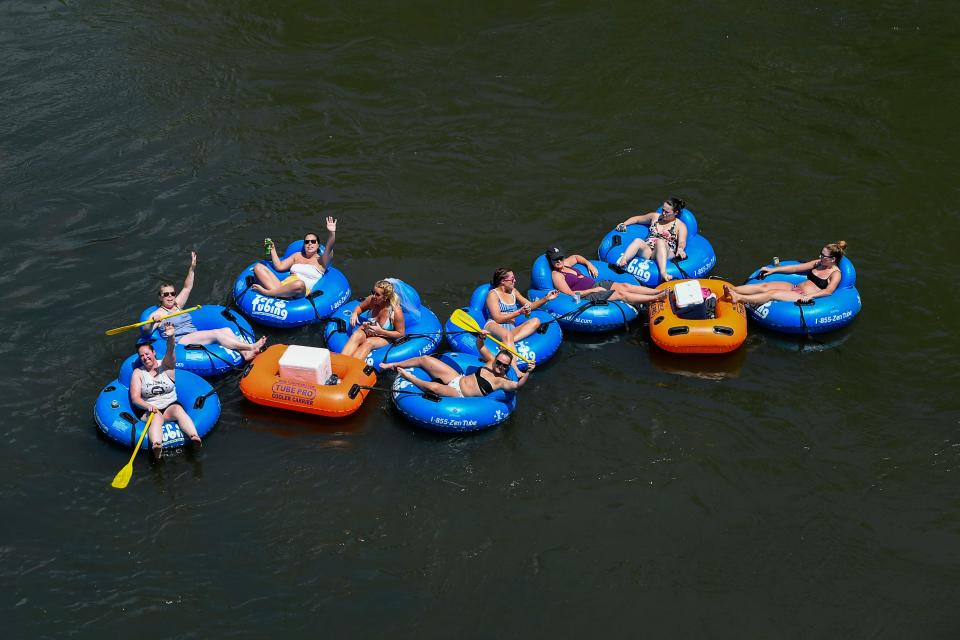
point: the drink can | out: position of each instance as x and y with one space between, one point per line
115 404
776 261
576 297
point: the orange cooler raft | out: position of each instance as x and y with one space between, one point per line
299 389
720 334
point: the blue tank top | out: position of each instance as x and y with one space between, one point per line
182 325
507 308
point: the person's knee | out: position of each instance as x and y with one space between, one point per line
299 288
534 322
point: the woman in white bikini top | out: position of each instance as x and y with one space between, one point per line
306 268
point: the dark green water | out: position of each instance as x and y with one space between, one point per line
777 492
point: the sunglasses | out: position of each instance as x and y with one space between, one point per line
560 259
311 242
167 294
503 365
825 257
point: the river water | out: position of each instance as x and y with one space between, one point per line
788 490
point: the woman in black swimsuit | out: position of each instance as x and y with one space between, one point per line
482 382
823 276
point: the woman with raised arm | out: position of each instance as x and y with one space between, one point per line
153 389
306 268
184 330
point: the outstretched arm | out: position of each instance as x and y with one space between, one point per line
331 239
170 357
788 268
187 282
644 218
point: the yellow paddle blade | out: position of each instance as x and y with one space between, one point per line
113 332
466 322
122 479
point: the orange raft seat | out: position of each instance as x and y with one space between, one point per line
698 332
263 384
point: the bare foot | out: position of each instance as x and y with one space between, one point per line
667 277
621 262
662 294
406 374
387 366
258 289
731 294
157 451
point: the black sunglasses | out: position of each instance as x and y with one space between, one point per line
498 363
164 294
311 242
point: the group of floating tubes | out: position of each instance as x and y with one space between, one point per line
329 303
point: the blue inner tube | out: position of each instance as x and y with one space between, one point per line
204 360
122 423
583 316
423 330
538 346
700 260
823 314
330 292
449 414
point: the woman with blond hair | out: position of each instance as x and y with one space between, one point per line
385 323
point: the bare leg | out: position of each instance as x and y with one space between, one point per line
436 369
503 334
425 385
176 413
368 346
356 339
525 329
764 287
663 253
155 432
292 289
633 297
636 288
763 296
264 276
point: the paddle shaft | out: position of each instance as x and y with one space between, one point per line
113 332
464 321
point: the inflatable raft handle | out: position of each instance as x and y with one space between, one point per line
802 303
429 395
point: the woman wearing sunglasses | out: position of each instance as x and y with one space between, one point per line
568 280
482 382
184 331
823 276
384 325
306 268
505 305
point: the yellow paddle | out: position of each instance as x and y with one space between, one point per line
113 332
122 479
463 320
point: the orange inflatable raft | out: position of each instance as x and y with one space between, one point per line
262 384
721 334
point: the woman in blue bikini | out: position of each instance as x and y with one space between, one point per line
385 325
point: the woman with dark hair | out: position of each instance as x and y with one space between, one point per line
386 323
568 280
306 268
482 382
667 238
823 276
505 304
153 389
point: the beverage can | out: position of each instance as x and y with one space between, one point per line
115 404
776 261
576 297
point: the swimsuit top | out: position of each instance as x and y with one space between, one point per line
578 282
485 387
508 308
822 283
182 324
670 234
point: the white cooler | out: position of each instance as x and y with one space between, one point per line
688 293
309 365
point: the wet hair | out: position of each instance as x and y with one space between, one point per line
836 249
505 352
164 285
677 203
498 275
388 292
